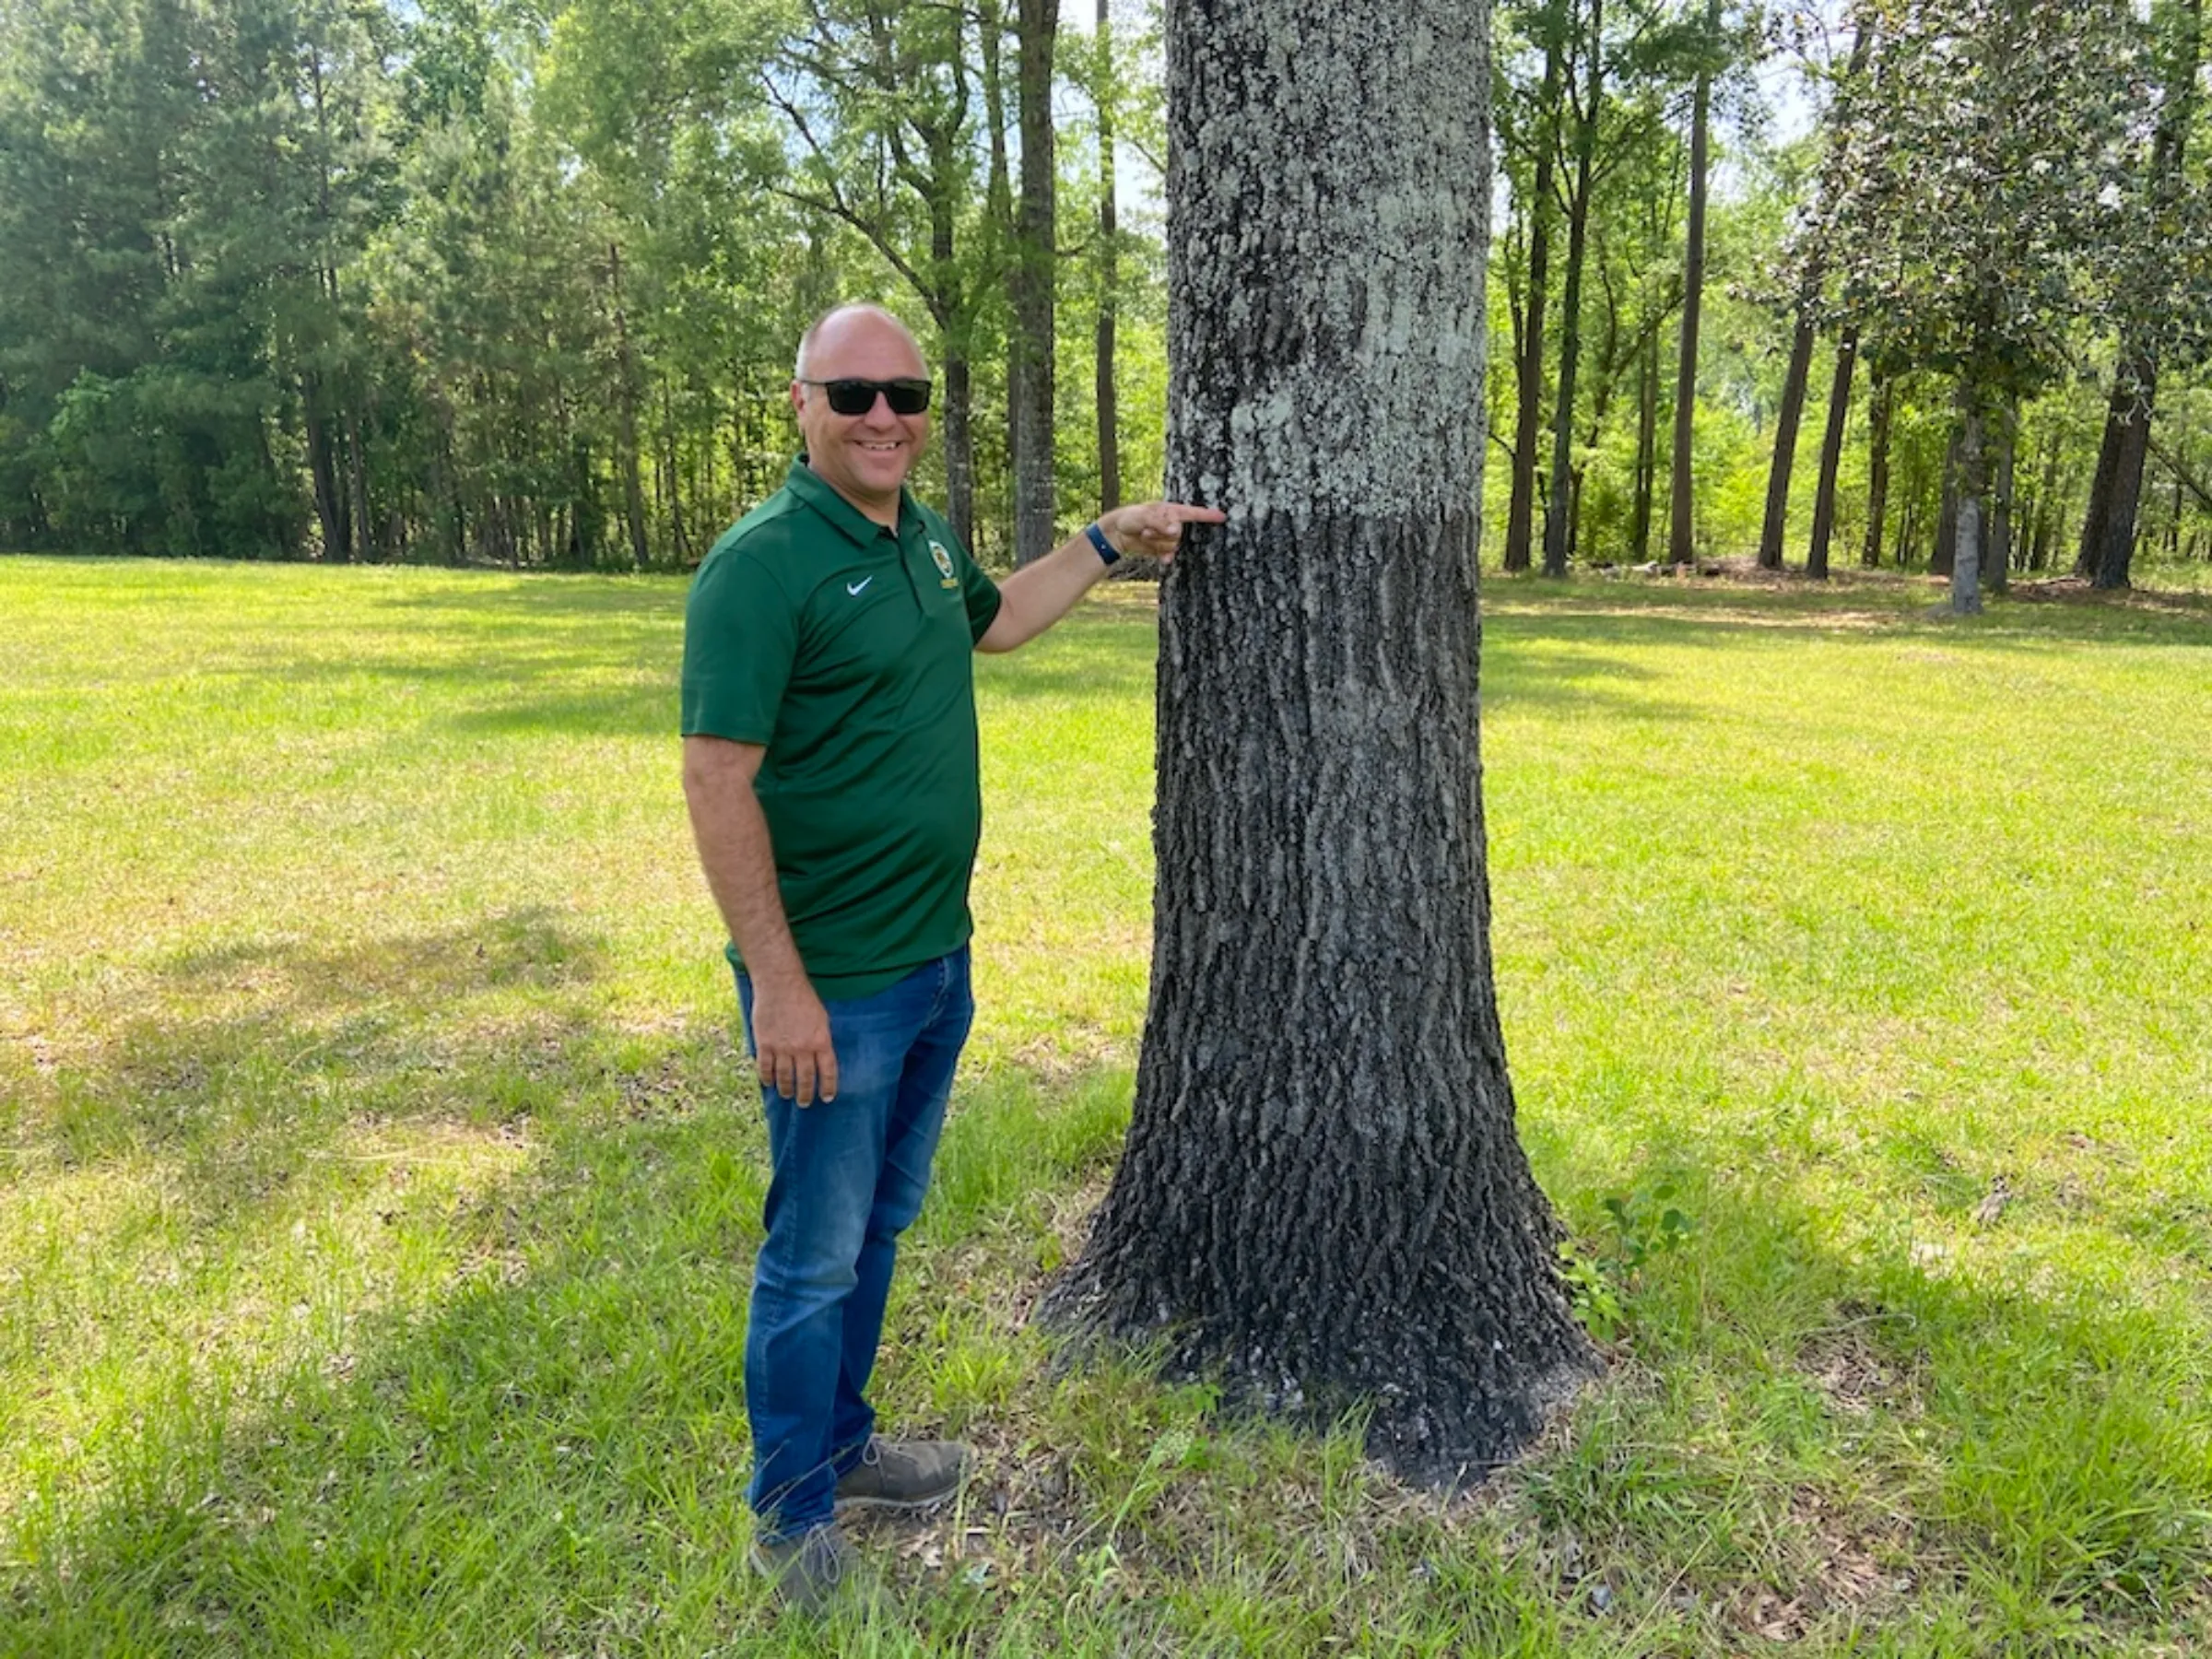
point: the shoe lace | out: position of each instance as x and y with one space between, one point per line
828 1561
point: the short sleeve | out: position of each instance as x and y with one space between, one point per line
978 592
740 635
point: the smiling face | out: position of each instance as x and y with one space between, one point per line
864 457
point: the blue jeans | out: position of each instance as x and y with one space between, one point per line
847 1178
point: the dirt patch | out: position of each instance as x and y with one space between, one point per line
1845 1563
2075 590
1854 1377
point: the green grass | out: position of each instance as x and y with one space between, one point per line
378 1184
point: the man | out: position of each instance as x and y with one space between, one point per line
830 768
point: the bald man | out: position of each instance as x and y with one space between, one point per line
830 768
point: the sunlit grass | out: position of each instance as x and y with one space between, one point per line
378 1185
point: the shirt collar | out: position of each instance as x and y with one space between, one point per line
810 487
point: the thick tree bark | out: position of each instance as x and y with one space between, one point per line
1881 414
1786 422
1681 544
1031 391
1832 455
1322 1199
1528 421
1110 277
1558 517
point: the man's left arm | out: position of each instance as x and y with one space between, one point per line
1039 595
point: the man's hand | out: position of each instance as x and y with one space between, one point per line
791 1028
1154 530
1039 595
791 1039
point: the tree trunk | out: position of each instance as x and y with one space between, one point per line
1970 491
1881 414
1000 239
1681 546
679 538
949 298
2095 520
2046 503
1945 555
1520 513
1319 1218
1794 386
323 473
2173 522
2136 383
1031 393
1786 423
1996 558
357 485
1647 449
1831 454
1558 521
959 449
1108 402
626 419
446 499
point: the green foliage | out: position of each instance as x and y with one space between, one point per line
1977 261
472 281
1645 1223
1602 1281
343 279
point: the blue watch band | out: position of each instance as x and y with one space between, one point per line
1107 551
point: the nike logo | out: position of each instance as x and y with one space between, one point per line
854 587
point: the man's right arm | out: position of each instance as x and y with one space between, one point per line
791 1028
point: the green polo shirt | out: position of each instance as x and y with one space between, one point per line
845 651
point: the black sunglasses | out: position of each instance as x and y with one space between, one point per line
858 396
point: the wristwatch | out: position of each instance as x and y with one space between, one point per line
1108 552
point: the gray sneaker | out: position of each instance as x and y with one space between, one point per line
903 1475
815 1572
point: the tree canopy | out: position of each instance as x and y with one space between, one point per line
476 280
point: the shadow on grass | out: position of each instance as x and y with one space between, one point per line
553 1458
1924 1417
257 1056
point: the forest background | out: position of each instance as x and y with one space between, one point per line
517 282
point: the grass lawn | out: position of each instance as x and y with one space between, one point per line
378 1183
